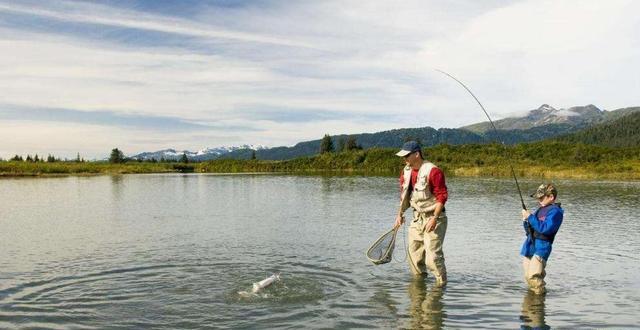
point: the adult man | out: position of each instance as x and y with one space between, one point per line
541 227
423 188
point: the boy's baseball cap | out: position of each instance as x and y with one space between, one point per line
545 189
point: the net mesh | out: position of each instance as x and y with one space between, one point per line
381 251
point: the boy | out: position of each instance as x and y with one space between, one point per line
541 227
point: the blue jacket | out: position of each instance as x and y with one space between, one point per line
545 220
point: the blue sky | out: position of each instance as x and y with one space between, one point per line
88 76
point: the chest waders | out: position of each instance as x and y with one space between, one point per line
425 248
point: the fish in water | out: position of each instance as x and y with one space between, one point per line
265 283
259 286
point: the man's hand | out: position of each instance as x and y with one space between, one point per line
399 221
525 214
431 224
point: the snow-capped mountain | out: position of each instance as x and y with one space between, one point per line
547 114
578 116
200 155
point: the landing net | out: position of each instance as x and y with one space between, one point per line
381 252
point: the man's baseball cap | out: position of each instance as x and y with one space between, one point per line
545 189
408 147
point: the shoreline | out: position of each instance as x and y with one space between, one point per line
464 172
542 160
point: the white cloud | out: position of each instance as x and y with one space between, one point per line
372 59
83 76
562 53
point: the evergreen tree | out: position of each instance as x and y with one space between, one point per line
78 158
116 156
253 154
36 159
326 145
184 158
341 145
50 159
351 144
29 159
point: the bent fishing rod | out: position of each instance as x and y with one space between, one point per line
513 173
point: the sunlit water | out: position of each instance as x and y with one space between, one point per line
173 251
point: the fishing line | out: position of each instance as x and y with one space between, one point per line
404 246
495 130
513 173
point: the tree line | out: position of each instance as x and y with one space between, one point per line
50 159
623 132
348 144
115 157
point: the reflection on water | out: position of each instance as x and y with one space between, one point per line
533 312
426 309
384 302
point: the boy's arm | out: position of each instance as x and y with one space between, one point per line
550 225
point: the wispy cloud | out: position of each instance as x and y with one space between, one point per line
299 115
279 72
110 118
96 14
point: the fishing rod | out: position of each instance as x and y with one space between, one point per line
513 173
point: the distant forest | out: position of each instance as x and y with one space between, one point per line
622 132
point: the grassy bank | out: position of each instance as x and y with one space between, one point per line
539 160
536 160
13 168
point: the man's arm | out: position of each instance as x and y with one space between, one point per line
439 190
404 203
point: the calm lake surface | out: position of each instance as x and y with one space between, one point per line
173 251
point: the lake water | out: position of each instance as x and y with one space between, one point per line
173 251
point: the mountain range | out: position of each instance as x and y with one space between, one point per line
201 155
579 116
623 132
538 124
